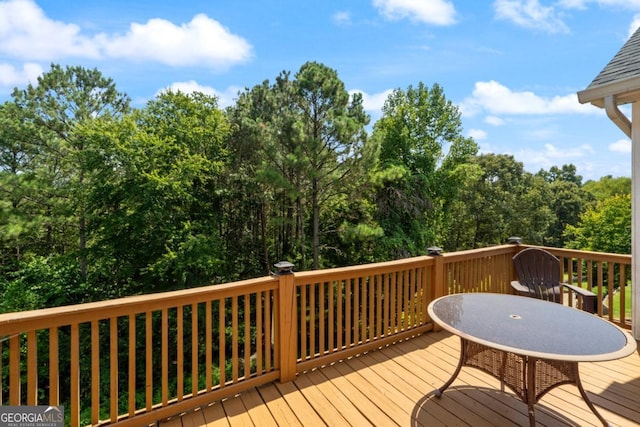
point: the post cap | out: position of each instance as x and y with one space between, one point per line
284 267
434 251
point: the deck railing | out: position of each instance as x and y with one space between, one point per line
135 360
607 275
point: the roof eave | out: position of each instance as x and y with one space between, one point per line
624 91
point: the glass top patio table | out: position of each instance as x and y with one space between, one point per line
531 327
530 345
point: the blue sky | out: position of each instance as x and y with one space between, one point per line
512 66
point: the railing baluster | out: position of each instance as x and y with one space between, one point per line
148 384
54 388
247 337
208 345
165 357
322 318
302 307
622 285
180 351
194 350
259 341
339 326
132 365
75 375
348 300
14 370
113 368
95 371
312 320
32 368
222 343
234 338
267 331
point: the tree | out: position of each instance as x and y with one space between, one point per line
332 136
498 201
156 213
307 141
418 178
567 200
263 220
604 227
63 100
608 186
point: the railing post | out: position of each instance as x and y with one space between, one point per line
516 241
288 325
437 276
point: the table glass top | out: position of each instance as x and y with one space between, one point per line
533 326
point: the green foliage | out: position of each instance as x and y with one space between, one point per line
100 201
608 186
604 227
567 199
156 211
40 283
304 141
417 179
498 201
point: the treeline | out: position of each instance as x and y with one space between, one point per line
99 200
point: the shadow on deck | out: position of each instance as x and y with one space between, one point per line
394 387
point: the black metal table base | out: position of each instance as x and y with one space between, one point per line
528 377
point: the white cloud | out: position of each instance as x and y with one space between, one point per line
342 18
573 4
11 77
437 12
530 14
225 98
477 134
27 33
494 98
582 4
373 103
621 146
550 155
202 41
494 121
628 4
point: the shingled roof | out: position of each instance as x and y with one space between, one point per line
620 78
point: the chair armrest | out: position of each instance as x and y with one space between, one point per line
588 298
519 288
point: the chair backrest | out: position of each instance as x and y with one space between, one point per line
539 271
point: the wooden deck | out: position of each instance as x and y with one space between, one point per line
393 387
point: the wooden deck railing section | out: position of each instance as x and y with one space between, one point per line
606 275
135 360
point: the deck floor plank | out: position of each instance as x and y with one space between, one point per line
214 415
278 408
258 411
341 403
394 387
359 398
299 404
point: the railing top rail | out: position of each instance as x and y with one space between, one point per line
360 270
11 323
479 253
574 253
